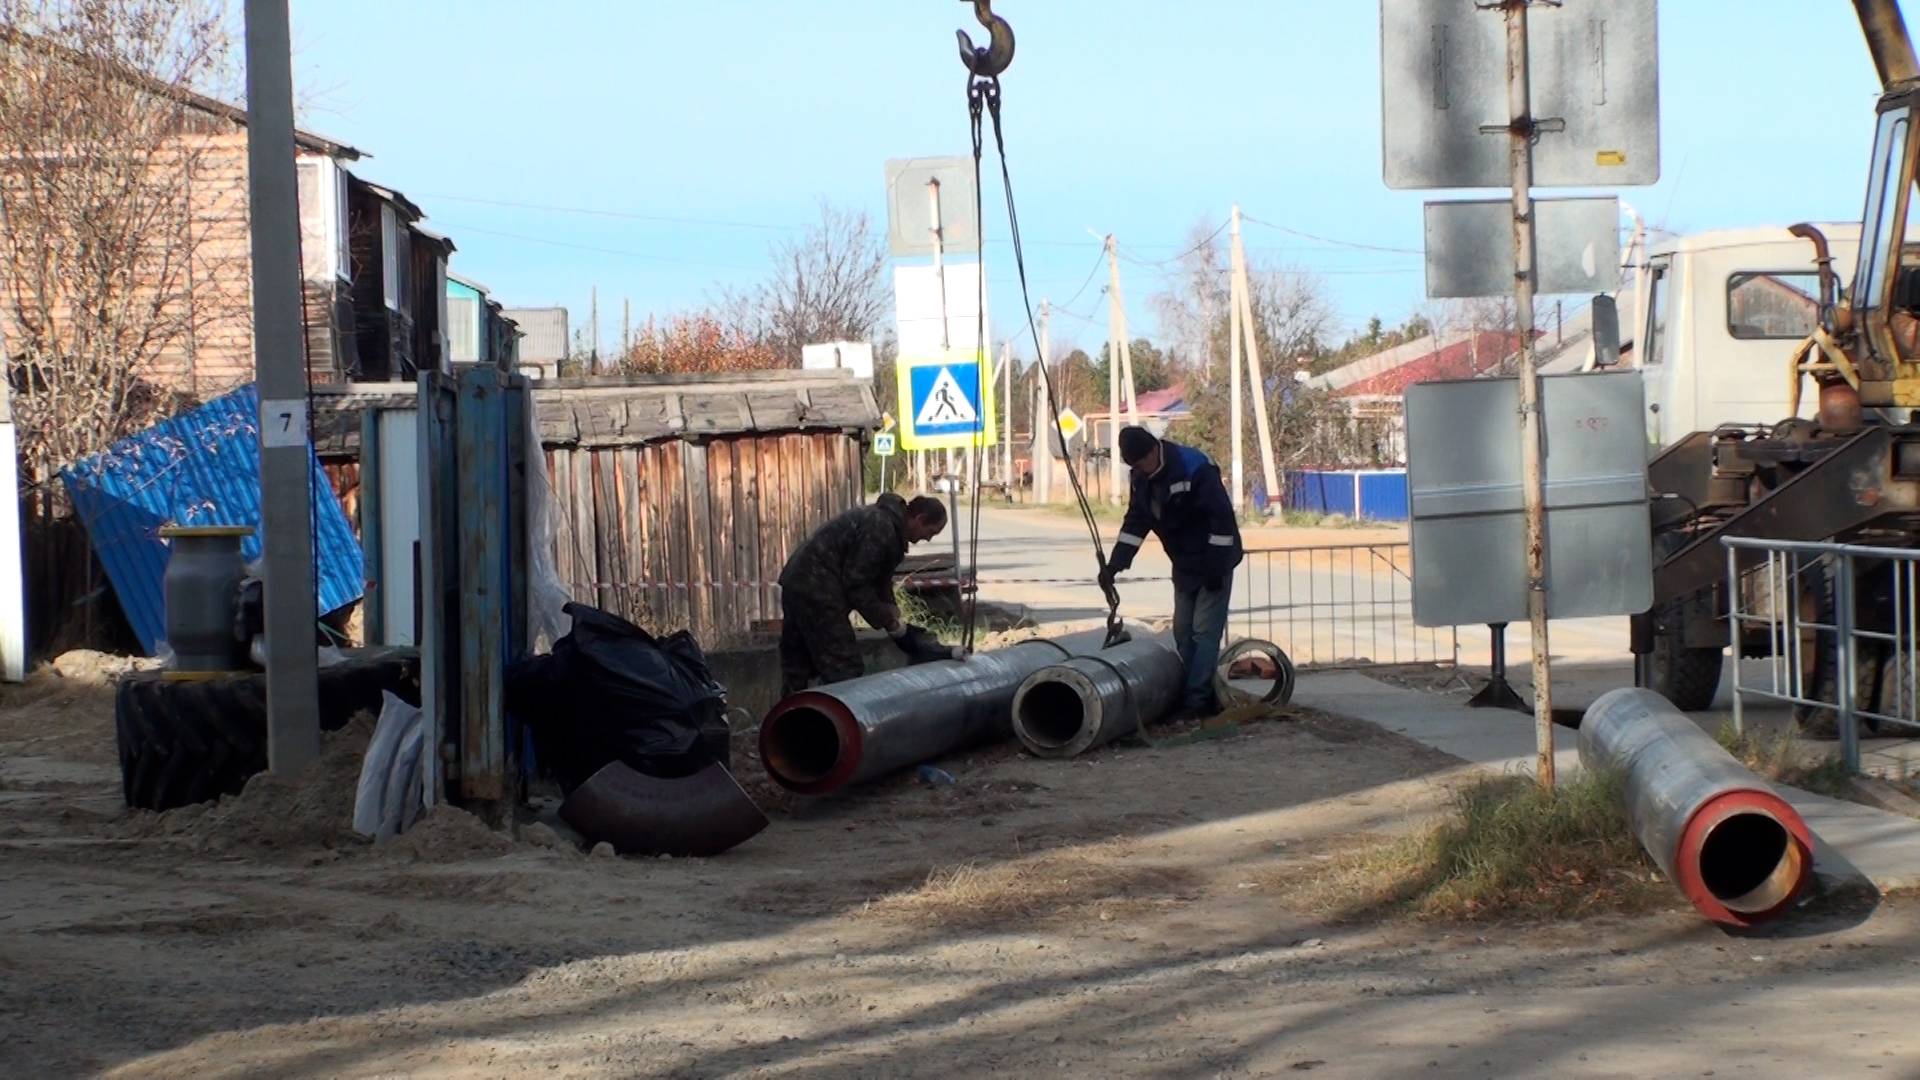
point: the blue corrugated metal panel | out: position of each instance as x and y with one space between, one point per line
1321 492
1383 496
199 468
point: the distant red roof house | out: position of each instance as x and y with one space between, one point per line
1460 354
1172 399
1167 402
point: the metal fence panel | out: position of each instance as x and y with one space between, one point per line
1799 607
1341 606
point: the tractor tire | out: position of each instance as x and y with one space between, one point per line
1688 677
186 742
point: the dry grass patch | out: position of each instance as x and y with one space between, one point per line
1784 758
1504 848
1036 887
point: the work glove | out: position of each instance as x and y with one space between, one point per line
922 647
1106 578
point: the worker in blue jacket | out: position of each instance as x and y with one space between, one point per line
1178 496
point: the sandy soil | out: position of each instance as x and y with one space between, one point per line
1093 918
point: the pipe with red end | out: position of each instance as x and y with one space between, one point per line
1738 852
823 739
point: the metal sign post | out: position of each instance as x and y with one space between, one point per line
279 349
1533 486
1443 65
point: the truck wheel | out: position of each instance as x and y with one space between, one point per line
1819 650
1688 677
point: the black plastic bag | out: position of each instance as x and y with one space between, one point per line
610 691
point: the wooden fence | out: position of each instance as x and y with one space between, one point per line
693 532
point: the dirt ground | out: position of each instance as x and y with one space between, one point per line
1101 917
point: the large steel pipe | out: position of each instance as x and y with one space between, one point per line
823 739
1071 707
1737 851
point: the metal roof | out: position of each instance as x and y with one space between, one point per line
305 140
198 468
406 205
543 333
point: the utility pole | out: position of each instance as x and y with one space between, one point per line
1006 414
1256 383
1043 429
626 328
1533 474
13 599
1113 372
279 349
1238 486
1127 384
593 356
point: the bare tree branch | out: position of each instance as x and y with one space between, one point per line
97 221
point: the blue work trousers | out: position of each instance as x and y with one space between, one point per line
1199 625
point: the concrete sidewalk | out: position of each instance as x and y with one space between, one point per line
1852 841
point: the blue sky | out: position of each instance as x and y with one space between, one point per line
701 131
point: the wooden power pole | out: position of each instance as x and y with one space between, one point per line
1532 464
1006 417
1257 385
1237 487
1043 428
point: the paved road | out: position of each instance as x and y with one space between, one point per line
1336 600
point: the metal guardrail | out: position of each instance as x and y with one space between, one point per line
1338 606
1802 601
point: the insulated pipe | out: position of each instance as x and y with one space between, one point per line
699 815
1737 851
823 739
1068 708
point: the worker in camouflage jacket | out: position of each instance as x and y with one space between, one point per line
1177 495
847 565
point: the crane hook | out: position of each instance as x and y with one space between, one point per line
989 62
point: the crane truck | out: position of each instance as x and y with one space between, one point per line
1844 463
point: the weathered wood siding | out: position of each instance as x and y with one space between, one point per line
693 533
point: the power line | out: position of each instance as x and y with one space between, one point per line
1170 260
628 214
1090 276
1331 240
601 250
720 223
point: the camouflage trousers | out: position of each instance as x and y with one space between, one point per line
817 645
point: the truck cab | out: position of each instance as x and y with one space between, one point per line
1720 315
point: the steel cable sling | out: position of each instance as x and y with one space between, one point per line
984 67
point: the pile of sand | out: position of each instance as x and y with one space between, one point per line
313 810
448 834
313 813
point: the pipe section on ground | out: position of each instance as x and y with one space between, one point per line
1069 708
823 739
1737 851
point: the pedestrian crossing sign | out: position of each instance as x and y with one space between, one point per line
945 407
883 444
